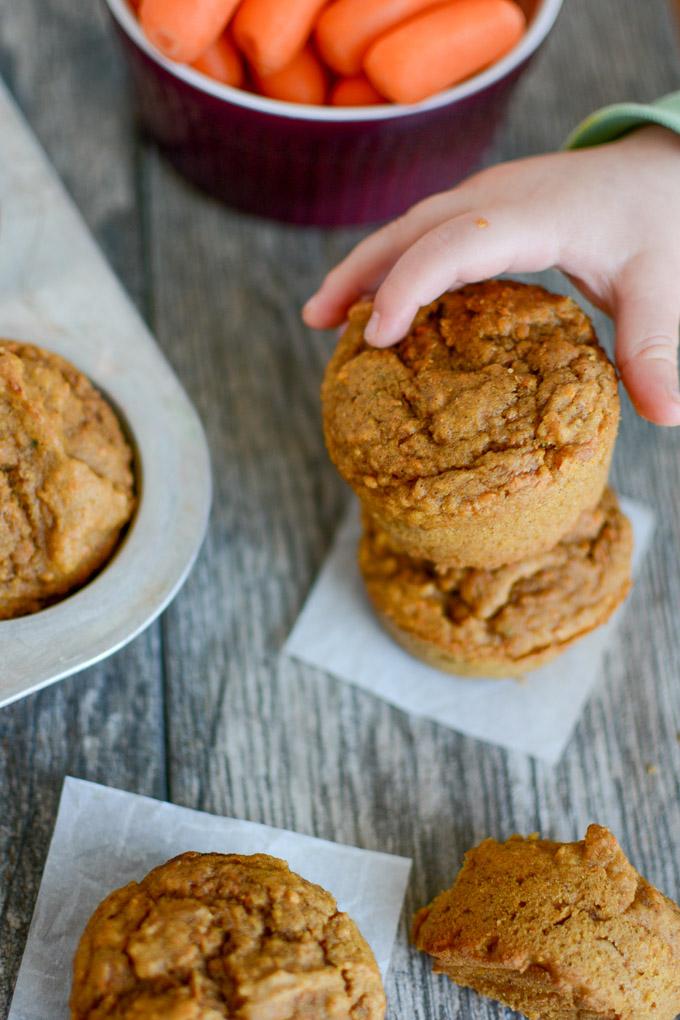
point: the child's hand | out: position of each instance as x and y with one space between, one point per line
608 217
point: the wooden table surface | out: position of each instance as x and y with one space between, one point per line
201 710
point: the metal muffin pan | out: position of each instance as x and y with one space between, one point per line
56 290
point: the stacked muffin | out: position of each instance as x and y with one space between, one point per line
67 487
479 447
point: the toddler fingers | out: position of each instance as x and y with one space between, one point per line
367 264
647 325
471 247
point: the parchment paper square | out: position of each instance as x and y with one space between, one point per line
337 632
105 838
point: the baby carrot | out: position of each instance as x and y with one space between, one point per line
356 91
303 80
222 61
183 29
347 28
272 32
442 46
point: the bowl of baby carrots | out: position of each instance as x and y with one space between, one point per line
326 112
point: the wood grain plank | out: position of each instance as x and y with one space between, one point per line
106 724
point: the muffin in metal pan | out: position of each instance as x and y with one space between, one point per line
58 290
66 480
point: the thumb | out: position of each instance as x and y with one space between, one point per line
647 332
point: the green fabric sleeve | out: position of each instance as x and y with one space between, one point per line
613 121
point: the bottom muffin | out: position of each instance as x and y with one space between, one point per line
503 622
214 936
558 931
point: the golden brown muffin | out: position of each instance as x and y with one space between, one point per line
502 622
209 936
558 931
479 438
66 484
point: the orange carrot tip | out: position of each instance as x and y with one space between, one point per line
442 46
222 61
356 91
272 32
303 80
184 29
346 28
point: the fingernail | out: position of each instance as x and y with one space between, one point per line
372 327
309 305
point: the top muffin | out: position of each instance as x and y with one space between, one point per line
66 482
497 413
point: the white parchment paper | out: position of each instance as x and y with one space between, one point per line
105 838
338 633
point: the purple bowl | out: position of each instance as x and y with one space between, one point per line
320 165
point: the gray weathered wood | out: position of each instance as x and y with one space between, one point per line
202 709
